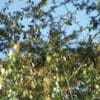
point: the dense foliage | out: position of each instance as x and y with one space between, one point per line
44 60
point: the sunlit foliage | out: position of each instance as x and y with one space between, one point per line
44 61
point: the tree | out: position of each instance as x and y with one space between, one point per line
54 65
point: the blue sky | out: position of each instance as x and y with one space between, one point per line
81 16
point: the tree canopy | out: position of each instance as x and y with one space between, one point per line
51 53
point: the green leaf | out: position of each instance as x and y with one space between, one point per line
48 58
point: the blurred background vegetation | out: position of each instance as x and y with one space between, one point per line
44 61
